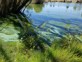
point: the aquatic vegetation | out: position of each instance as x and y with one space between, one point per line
51 23
34 48
16 28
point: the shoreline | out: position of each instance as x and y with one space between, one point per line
67 1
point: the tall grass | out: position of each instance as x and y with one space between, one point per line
59 51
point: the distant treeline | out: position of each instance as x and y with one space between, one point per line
41 1
8 6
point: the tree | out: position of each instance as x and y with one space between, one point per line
11 6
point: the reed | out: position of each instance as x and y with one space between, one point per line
14 6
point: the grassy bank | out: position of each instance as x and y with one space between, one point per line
64 50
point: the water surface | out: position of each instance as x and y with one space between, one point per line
55 20
50 20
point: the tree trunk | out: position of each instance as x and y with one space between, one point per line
11 6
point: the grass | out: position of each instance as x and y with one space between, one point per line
31 48
59 51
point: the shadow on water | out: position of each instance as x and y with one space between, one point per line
29 37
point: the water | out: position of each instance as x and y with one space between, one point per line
50 21
54 20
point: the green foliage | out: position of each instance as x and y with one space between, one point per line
31 48
59 51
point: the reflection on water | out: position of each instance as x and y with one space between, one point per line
55 20
56 10
50 20
38 8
